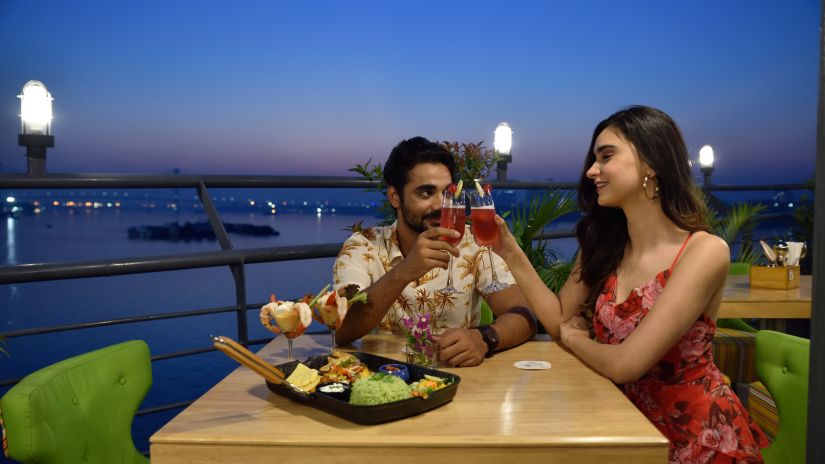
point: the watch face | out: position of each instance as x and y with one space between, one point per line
493 334
490 336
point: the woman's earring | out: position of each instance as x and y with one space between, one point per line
644 187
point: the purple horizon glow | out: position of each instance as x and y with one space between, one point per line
302 89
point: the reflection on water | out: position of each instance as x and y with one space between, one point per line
11 246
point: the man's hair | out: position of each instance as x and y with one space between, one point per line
410 153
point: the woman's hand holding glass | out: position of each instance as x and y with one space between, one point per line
506 246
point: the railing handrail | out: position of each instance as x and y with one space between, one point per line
122 266
60 181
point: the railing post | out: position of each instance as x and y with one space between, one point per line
214 218
237 269
816 371
239 273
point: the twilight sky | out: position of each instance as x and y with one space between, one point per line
312 87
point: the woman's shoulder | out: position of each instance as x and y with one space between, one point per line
707 249
708 242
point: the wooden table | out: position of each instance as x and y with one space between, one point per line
740 300
567 413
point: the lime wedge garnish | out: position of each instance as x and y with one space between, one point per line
478 187
458 187
315 300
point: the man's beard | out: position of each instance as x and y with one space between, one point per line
416 223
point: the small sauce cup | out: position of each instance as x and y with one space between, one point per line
398 370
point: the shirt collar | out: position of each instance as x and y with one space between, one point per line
391 241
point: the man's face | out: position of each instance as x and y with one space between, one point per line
419 205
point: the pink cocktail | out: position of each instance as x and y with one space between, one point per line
454 218
485 229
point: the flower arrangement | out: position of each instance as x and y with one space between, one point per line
421 347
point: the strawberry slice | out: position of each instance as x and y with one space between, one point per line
488 188
452 188
330 300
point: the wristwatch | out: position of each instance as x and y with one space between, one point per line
490 337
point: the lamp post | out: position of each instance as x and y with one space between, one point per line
706 163
36 123
502 143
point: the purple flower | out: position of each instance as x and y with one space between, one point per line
418 330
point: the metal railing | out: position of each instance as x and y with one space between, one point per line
236 260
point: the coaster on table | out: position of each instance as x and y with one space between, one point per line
532 365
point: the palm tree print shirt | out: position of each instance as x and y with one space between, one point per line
370 253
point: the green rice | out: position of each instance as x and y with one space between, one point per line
379 388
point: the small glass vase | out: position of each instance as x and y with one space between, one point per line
424 355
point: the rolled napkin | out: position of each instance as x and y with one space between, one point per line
796 251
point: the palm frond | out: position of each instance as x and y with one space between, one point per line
555 275
535 215
739 220
749 254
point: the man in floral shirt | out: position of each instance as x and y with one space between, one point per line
402 266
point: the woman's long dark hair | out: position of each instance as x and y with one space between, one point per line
602 231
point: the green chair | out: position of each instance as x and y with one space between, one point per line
782 366
486 314
80 409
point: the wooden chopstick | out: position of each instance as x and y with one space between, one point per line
249 359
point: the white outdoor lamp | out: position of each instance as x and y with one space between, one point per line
502 143
36 125
706 163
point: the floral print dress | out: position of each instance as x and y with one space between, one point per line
683 394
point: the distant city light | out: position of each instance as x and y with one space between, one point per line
9 199
790 205
706 156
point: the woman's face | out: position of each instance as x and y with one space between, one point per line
617 170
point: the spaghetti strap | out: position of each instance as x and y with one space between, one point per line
670 271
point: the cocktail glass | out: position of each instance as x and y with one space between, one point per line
485 231
453 216
330 316
290 324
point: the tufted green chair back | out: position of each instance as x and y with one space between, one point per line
782 366
79 410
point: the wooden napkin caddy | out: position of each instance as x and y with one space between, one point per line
779 277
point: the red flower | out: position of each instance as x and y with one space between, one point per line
710 438
622 328
695 342
649 292
727 439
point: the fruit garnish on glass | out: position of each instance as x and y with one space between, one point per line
331 307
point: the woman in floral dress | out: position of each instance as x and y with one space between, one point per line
650 278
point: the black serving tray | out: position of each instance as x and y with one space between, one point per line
338 405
